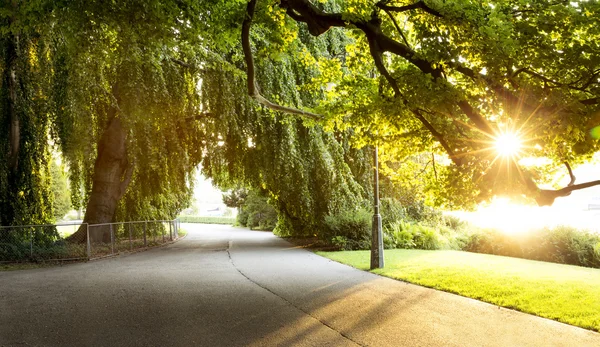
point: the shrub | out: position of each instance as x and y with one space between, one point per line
354 226
256 212
419 212
562 244
572 246
341 243
399 236
424 237
454 223
391 211
11 252
242 217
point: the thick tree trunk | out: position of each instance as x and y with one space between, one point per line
112 173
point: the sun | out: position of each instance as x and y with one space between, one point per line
508 144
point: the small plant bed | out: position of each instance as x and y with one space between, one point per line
566 293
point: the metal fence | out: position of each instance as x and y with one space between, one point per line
90 241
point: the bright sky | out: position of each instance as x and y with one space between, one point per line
571 210
206 196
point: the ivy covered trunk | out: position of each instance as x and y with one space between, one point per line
112 174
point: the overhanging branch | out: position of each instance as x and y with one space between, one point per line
252 89
438 136
417 5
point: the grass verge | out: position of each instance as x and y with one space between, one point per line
569 294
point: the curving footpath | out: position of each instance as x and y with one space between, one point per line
223 286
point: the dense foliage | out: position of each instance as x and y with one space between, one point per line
445 79
136 93
256 212
102 80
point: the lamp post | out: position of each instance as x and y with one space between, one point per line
376 234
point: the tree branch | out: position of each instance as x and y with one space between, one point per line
480 122
252 90
547 197
591 101
376 54
438 136
397 27
572 182
417 5
181 63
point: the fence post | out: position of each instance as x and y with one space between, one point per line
89 245
31 243
170 231
145 225
112 239
130 242
162 231
176 229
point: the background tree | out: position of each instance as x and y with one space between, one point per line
125 109
235 198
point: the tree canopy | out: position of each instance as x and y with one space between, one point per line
286 96
452 77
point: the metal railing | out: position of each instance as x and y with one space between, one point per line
47 243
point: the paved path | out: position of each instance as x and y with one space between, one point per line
229 287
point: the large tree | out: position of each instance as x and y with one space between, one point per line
456 77
106 82
25 196
126 108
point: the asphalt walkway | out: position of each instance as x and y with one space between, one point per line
223 286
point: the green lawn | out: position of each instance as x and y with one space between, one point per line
569 294
207 220
66 230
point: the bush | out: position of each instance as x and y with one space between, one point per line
572 246
562 244
391 211
399 235
12 252
454 223
260 215
425 237
242 217
419 212
409 235
350 229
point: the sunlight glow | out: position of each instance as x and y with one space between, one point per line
508 144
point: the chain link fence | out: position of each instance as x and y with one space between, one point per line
50 242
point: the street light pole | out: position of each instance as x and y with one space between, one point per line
377 237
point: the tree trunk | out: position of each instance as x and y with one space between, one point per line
112 174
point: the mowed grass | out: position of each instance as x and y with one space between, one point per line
67 230
569 294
